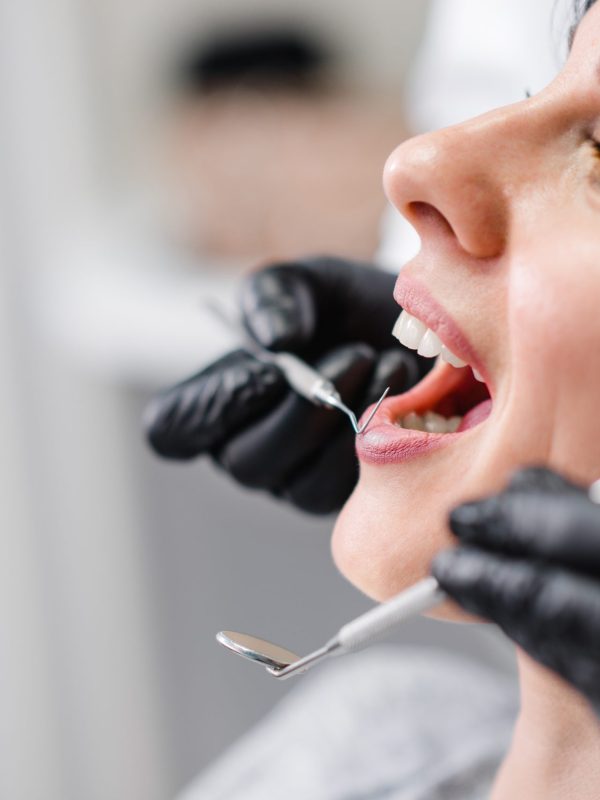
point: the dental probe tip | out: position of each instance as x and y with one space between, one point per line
365 425
303 378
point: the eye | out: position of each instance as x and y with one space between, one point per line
595 143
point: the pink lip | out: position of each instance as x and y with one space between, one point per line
385 443
412 296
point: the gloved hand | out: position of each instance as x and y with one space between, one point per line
337 315
529 560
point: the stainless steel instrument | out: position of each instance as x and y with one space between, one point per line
283 663
302 378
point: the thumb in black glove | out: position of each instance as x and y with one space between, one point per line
529 560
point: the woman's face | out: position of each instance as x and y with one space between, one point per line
508 209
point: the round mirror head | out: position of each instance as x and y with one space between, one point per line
267 653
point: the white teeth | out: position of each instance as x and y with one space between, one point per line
414 334
414 422
409 330
399 325
430 345
435 423
448 355
478 375
430 422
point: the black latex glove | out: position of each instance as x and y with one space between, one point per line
529 560
337 315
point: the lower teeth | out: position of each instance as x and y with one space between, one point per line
429 422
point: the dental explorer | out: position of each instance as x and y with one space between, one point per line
301 377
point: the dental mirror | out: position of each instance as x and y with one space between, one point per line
255 649
282 663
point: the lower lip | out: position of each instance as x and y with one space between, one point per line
384 442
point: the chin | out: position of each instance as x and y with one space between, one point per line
383 542
393 525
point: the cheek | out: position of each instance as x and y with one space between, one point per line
554 329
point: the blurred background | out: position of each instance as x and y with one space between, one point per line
150 153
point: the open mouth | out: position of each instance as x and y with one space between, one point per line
448 400
451 399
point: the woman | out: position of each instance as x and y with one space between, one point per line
507 207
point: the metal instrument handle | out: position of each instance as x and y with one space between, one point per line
421 597
303 379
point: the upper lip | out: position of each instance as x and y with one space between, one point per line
415 298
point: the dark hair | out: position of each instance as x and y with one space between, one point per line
581 7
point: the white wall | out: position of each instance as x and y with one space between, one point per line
80 708
82 705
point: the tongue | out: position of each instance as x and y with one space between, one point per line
475 415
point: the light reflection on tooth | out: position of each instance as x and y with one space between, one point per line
409 330
478 375
450 358
413 333
430 345
399 325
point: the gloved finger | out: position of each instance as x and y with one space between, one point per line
541 479
264 454
576 664
553 615
323 485
279 309
312 305
559 527
203 411
583 673
533 603
397 369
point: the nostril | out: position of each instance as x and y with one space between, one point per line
424 215
479 232
445 193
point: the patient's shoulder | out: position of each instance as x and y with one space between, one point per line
399 722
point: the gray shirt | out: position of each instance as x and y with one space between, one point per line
399 723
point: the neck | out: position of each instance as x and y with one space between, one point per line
555 752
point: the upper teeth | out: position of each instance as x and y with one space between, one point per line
413 333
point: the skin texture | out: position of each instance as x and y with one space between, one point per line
508 209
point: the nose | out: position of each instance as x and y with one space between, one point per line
452 183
